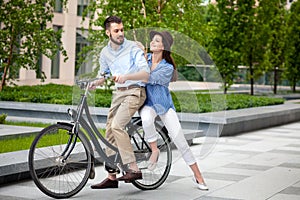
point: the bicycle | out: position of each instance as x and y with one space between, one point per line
62 157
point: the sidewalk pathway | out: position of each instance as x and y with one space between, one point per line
258 165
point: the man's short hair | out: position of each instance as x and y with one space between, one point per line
111 19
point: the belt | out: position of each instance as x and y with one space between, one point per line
129 87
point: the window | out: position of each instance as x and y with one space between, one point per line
55 64
58 7
81 42
81 6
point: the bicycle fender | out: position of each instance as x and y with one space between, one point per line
66 124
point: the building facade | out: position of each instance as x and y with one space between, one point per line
73 39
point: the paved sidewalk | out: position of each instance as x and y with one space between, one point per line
263 164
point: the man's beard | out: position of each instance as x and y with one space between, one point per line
115 41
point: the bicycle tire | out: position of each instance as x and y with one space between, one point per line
152 179
51 175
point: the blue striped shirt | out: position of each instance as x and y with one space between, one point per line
128 59
158 94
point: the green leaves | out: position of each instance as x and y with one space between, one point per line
24 35
186 17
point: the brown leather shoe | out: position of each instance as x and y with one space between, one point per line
131 176
106 183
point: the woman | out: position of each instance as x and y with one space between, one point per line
159 102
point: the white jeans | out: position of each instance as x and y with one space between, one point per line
171 121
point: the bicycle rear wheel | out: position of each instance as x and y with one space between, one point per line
54 176
152 179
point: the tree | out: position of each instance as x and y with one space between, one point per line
224 45
271 17
292 72
25 36
249 43
182 16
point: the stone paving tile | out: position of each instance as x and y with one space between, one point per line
291 190
285 152
246 139
236 171
262 186
294 145
297 184
284 197
289 148
2 197
251 153
223 176
290 165
214 198
247 166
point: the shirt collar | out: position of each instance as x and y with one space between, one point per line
149 59
121 46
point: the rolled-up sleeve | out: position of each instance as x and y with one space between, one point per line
104 68
162 74
140 60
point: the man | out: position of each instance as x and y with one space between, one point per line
127 64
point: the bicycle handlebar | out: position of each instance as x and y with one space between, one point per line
86 82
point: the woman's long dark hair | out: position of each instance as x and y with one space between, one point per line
168 57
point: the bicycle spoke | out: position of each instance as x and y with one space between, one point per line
54 174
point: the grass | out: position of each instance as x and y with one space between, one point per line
30 124
18 143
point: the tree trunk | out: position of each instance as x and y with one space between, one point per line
8 63
3 78
225 87
294 85
251 80
275 80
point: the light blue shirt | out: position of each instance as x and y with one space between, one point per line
158 94
128 59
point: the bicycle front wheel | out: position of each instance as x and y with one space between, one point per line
53 173
153 178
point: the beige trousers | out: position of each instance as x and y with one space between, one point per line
123 107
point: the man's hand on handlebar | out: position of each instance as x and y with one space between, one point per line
96 83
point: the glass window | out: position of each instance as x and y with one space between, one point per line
81 42
81 6
58 7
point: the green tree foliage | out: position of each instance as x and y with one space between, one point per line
248 38
271 17
292 72
24 36
183 16
224 45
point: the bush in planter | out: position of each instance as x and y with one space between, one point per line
2 118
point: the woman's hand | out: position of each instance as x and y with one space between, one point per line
140 45
120 79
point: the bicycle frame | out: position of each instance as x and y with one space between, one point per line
92 131
90 128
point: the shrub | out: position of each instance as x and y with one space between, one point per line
184 101
2 118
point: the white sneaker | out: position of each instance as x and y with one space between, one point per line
201 186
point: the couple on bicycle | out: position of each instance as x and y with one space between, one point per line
141 82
